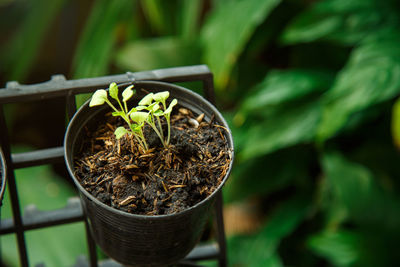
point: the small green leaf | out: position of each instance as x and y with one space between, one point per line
138 108
139 116
132 110
117 113
155 107
120 131
158 113
146 100
171 105
127 93
98 98
161 96
113 89
136 127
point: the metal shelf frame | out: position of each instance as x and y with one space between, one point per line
60 87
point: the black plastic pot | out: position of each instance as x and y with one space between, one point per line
2 176
141 240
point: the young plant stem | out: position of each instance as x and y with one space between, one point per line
157 132
143 139
169 129
126 107
160 127
111 105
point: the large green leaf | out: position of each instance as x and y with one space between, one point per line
157 53
368 247
279 87
371 76
343 21
20 53
95 48
227 30
262 176
358 190
94 51
189 18
286 127
153 11
261 249
341 248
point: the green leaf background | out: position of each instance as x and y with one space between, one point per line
310 91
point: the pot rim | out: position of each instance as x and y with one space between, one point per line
3 174
155 217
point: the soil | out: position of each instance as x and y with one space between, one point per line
160 180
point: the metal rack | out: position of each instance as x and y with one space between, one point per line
58 87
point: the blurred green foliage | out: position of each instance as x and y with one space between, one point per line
309 89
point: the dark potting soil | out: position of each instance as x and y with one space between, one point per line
161 180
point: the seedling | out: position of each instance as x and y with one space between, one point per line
100 97
148 111
155 112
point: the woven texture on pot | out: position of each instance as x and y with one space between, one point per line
141 240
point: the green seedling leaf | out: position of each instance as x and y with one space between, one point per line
155 107
132 110
138 108
127 93
146 100
113 89
171 105
158 113
139 117
161 96
98 98
120 131
137 127
117 113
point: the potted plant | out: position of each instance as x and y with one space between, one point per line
148 169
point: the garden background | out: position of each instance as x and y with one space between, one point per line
308 87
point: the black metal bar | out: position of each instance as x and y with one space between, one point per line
12 187
208 85
71 105
204 252
35 219
91 246
199 253
188 264
38 157
16 92
56 87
